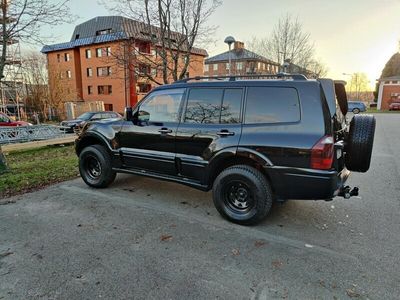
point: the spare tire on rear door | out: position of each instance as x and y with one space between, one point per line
359 143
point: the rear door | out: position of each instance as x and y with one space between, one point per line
211 122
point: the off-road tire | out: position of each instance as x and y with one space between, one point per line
258 187
359 143
105 173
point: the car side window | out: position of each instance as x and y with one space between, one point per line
96 117
204 106
161 106
272 105
231 104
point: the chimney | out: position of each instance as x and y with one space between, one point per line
238 45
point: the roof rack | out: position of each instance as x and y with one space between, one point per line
252 76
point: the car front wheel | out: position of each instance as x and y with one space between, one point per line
95 166
356 111
242 195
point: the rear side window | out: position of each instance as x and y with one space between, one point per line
213 106
272 105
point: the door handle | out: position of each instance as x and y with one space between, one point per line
165 130
223 133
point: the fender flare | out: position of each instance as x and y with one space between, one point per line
92 135
231 153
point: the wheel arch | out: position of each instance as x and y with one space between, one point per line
239 156
90 139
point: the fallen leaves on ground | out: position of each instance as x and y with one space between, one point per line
277 264
165 237
235 252
259 243
352 293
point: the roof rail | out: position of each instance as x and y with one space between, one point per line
251 76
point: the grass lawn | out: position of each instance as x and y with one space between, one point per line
33 169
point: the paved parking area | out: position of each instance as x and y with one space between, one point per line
148 239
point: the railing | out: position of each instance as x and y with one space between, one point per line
30 133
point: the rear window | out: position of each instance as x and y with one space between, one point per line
272 105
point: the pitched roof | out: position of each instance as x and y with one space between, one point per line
391 78
119 28
238 54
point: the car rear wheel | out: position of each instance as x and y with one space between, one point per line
360 142
242 195
95 166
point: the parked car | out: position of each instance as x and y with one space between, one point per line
79 122
357 106
251 142
394 106
7 121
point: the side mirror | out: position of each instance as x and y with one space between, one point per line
128 113
143 116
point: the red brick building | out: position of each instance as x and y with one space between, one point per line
389 92
244 62
87 68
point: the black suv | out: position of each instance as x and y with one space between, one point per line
252 140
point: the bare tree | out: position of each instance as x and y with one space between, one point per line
23 20
289 42
358 86
36 83
173 28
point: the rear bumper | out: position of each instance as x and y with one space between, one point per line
296 183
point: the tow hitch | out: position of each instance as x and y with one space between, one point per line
346 192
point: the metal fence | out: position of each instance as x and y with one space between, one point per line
30 133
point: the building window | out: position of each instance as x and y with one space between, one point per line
69 74
58 57
227 66
153 72
104 89
88 53
206 68
100 52
239 66
215 67
67 57
259 66
103 71
104 31
90 90
89 72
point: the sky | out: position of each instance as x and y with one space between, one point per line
349 35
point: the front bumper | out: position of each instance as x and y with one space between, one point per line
306 184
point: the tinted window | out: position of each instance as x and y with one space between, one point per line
272 105
204 106
230 112
162 106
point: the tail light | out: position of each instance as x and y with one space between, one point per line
322 153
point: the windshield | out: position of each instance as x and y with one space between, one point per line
85 116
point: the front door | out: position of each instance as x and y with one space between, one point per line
211 123
149 145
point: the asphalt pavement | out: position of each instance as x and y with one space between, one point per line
146 239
